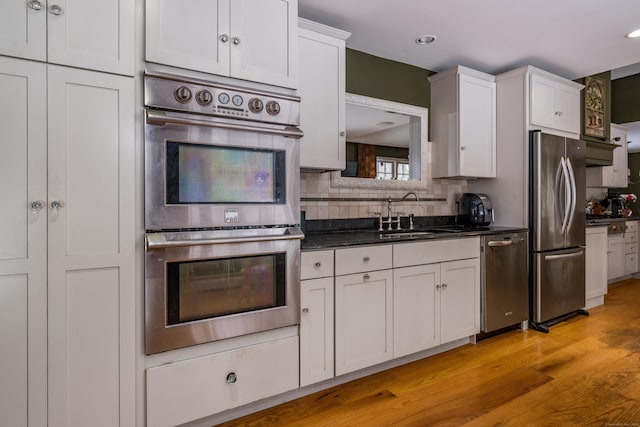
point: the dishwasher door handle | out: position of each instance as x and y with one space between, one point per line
494 243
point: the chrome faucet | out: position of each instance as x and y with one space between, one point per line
410 193
389 202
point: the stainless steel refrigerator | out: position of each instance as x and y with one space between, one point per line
557 228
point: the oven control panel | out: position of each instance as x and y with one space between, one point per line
211 98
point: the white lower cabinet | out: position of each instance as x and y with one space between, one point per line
364 320
631 247
460 299
316 318
615 256
187 390
596 266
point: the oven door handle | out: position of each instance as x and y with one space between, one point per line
160 118
165 240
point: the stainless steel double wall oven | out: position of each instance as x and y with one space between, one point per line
221 211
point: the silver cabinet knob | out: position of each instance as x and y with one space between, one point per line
305 311
235 40
343 133
35 4
366 276
444 285
36 205
54 9
438 287
224 38
366 259
231 378
317 265
558 113
56 204
462 148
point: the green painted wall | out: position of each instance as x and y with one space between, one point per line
377 77
625 99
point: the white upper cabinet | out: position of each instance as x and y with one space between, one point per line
92 34
555 104
614 176
322 92
463 117
248 39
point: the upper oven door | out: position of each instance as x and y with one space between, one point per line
203 172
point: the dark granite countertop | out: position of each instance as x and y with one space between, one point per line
328 239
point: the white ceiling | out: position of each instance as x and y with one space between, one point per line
571 38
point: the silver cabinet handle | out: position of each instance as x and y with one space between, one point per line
57 204
366 276
231 378
37 205
317 265
224 38
35 4
305 311
366 259
54 9
236 40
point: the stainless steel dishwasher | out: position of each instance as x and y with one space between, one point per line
505 280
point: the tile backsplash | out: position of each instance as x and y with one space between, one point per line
320 200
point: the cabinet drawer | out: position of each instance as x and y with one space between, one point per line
195 388
631 226
316 264
358 260
417 253
630 236
631 248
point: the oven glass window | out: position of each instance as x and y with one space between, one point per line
211 288
198 173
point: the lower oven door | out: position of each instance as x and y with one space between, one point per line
209 285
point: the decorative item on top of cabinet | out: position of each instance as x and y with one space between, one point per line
463 129
316 319
614 176
596 266
253 40
92 34
321 87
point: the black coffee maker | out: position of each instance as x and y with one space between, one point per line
474 210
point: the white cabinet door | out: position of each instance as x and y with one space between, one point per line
460 299
23 256
596 266
23 29
322 109
91 292
416 309
249 39
554 105
477 127
316 330
93 34
188 34
264 43
615 256
364 320
616 174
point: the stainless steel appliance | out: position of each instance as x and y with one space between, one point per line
203 286
219 155
557 227
222 208
475 210
504 282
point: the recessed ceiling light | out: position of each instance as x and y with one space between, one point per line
634 34
426 39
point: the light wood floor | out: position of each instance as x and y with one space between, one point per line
585 372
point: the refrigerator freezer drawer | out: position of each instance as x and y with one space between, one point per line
558 281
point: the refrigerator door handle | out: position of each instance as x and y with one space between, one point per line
572 184
564 256
559 205
567 195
